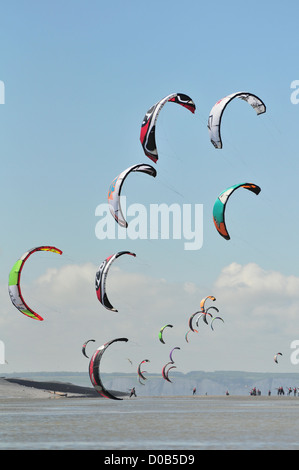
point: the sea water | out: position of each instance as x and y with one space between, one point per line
190 423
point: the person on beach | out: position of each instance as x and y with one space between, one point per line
133 392
194 390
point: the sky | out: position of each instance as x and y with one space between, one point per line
78 78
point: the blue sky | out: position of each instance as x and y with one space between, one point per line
79 77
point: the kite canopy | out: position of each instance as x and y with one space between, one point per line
148 127
214 122
204 315
275 357
161 332
84 347
171 352
220 206
199 317
166 372
139 372
94 370
187 334
191 320
202 307
216 318
203 301
14 287
114 193
101 275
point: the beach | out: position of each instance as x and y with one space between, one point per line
59 415
25 389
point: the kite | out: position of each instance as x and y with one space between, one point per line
191 319
214 122
204 315
14 287
170 355
114 197
199 317
215 318
94 370
220 205
189 331
101 275
202 306
275 357
161 333
203 301
140 374
148 127
84 347
166 372
139 379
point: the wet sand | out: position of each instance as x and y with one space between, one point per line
148 423
26 388
33 389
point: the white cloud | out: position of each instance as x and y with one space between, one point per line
190 287
255 291
68 282
260 309
254 279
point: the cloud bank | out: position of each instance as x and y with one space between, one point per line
260 311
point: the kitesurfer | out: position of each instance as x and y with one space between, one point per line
133 392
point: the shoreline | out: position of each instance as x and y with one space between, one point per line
16 388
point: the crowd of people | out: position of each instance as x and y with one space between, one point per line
280 391
254 391
290 390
